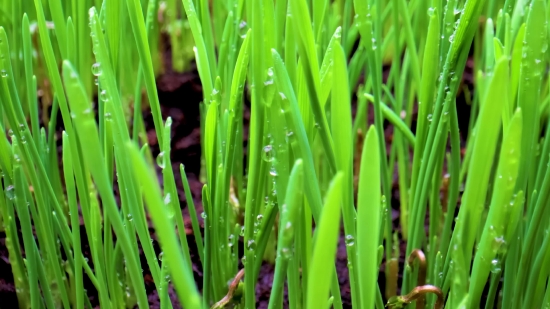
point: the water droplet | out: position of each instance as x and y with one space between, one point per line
430 116
4 73
288 227
170 207
231 240
10 192
96 69
350 241
259 218
267 153
203 215
251 245
242 232
290 136
130 218
103 96
286 253
273 172
495 266
452 38
161 255
160 160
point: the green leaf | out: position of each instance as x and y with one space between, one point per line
289 215
324 250
369 217
532 66
484 148
500 211
184 282
87 129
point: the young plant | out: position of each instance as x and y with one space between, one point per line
311 167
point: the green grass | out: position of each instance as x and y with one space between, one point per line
315 172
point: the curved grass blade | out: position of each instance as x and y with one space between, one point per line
498 219
171 199
426 94
326 71
184 282
394 119
341 126
302 150
369 218
60 26
87 130
201 52
135 13
192 214
289 214
307 51
324 251
517 51
30 79
75 222
120 135
483 152
534 48
32 260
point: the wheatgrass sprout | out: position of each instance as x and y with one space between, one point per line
337 138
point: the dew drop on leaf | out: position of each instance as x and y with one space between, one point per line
10 192
103 96
96 69
160 160
267 153
251 245
350 240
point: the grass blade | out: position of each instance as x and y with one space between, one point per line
325 247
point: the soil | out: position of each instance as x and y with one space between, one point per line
180 95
